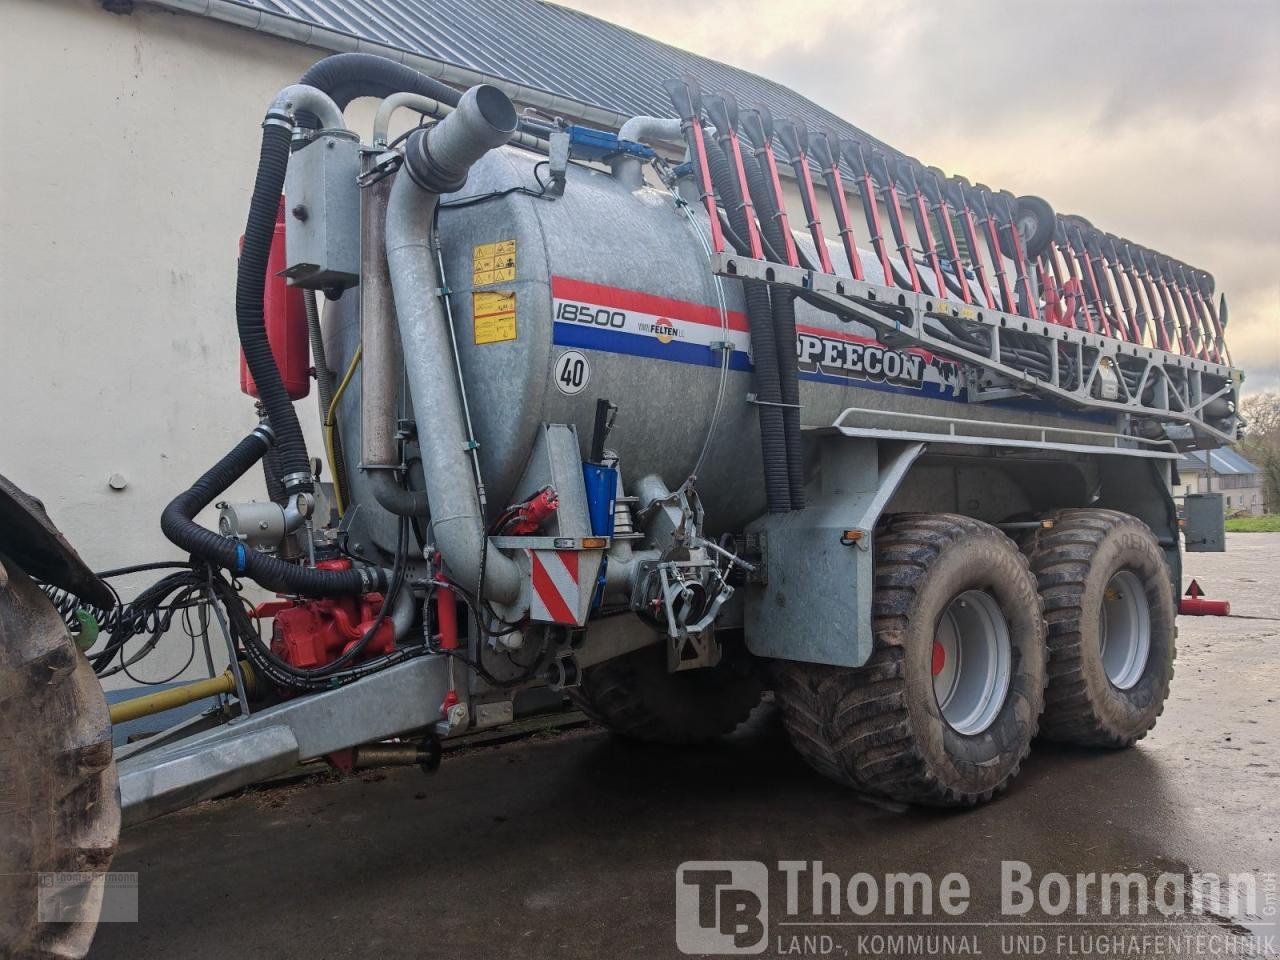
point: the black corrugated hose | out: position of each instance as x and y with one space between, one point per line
179 526
348 76
773 442
251 279
784 330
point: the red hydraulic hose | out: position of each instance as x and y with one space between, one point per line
971 238
1072 259
993 247
866 189
923 230
794 136
942 211
757 126
880 167
826 150
685 99
723 113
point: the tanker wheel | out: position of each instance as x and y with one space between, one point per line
944 711
1034 220
1110 610
634 696
59 801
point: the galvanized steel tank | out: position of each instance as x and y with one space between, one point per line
620 277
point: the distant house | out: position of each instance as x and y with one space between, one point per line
1222 471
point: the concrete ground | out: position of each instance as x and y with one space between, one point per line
568 846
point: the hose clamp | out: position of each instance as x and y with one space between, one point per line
278 120
298 479
368 579
264 431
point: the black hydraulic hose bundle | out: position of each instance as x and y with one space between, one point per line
784 331
179 526
773 441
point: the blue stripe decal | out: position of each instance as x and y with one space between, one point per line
612 341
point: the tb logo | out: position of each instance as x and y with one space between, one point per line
722 907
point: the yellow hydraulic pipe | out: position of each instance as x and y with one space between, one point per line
179 696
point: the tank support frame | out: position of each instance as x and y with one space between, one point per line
1178 389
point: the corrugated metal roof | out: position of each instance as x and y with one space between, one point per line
549 48
1224 460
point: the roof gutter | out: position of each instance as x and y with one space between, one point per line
275 25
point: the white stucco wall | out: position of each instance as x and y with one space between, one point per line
129 149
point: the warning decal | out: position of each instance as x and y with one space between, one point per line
493 315
555 586
493 263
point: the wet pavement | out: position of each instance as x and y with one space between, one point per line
569 845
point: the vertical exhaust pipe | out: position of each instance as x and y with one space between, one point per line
437 161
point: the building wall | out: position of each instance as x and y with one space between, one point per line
126 165
1234 498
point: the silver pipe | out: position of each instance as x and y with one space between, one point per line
484 119
300 96
389 105
380 359
404 611
647 129
629 170
432 108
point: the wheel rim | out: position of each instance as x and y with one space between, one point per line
1027 226
1125 630
971 662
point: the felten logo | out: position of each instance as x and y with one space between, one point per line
722 907
664 329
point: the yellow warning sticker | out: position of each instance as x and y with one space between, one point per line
493 314
493 263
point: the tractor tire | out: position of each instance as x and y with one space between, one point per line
905 726
59 799
1110 610
634 696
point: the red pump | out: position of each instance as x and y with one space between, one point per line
311 633
285 316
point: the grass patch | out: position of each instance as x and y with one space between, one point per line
1268 524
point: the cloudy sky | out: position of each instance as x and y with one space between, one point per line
1159 120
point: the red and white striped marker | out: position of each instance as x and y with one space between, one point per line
555 586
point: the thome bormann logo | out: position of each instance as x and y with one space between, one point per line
722 907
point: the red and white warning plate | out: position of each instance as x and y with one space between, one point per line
556 591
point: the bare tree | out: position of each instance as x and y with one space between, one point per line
1261 442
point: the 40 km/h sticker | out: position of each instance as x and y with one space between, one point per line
571 373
